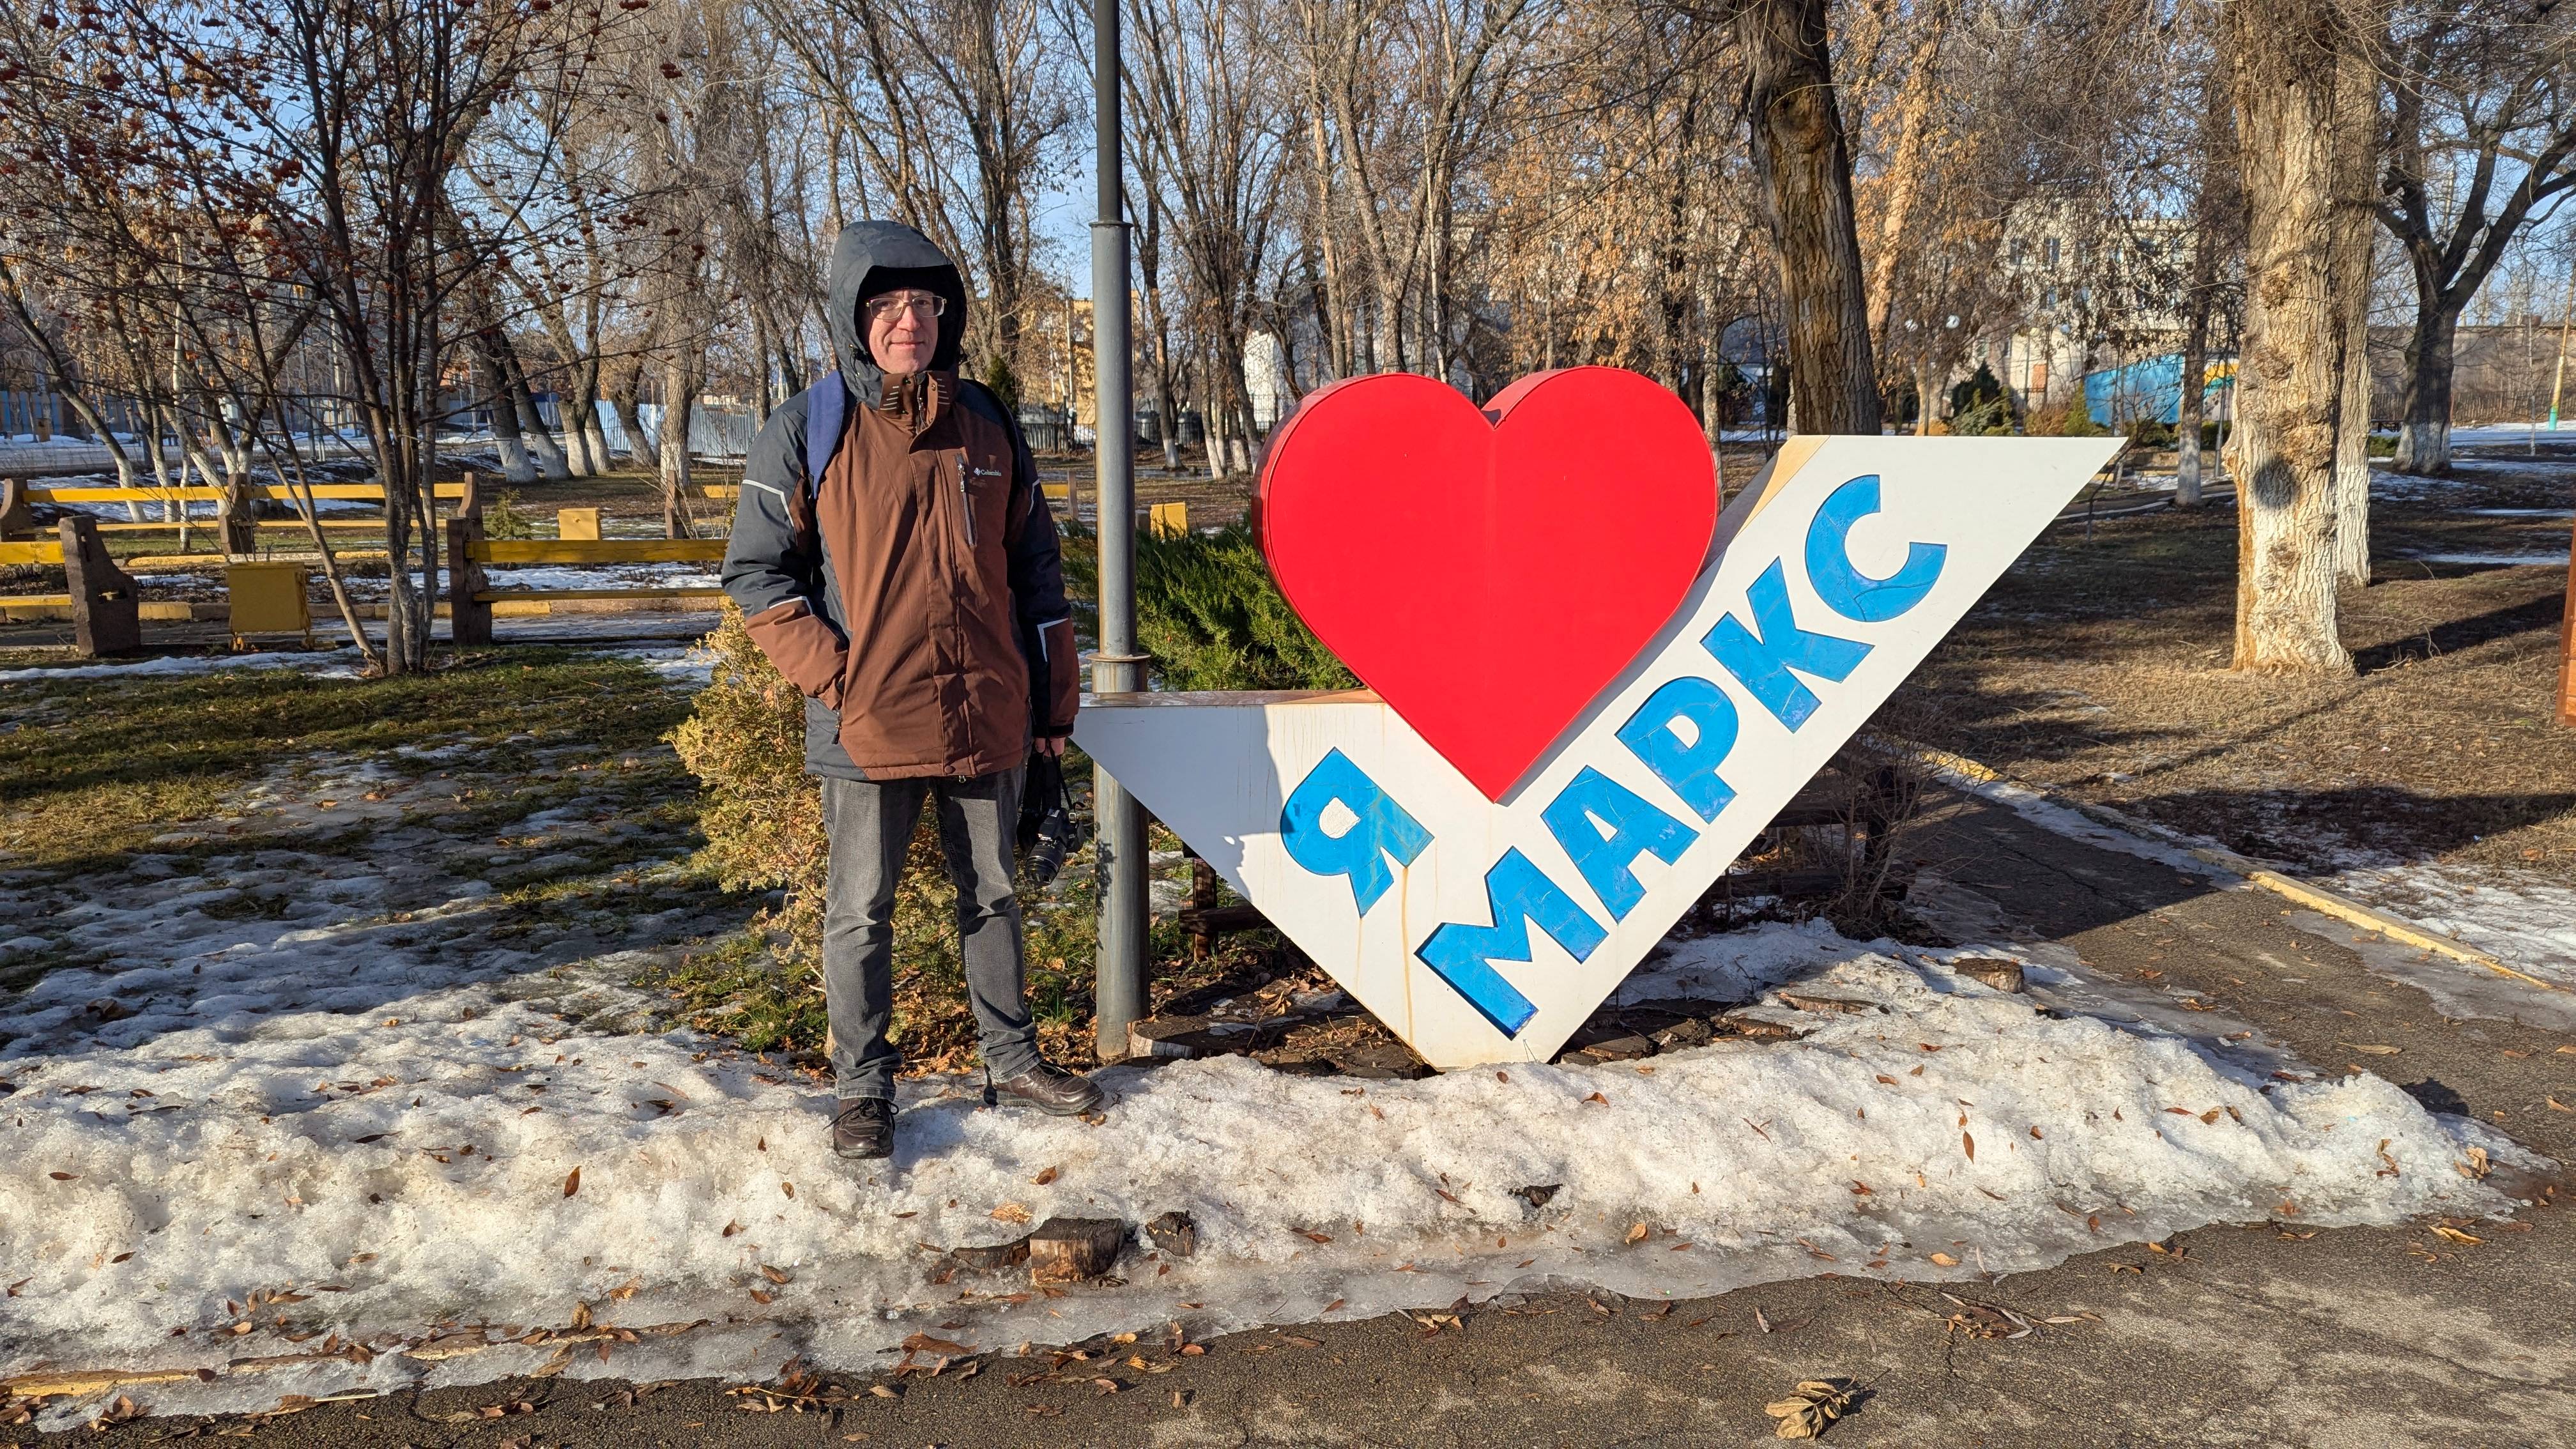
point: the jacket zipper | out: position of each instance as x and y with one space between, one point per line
965 501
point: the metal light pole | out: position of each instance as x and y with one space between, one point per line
1123 868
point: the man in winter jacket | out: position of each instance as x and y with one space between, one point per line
896 561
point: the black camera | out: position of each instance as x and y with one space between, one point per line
1047 831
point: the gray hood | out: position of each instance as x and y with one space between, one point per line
878 256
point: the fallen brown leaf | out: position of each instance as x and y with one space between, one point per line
572 1182
1815 1404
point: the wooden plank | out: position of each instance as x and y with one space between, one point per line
728 492
156 611
122 495
218 560
198 493
546 596
297 524
599 551
31 553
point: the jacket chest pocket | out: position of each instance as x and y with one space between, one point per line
983 484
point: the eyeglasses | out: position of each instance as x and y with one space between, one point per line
918 303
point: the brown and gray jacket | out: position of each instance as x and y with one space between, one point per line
894 555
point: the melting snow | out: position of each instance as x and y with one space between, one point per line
2527 924
406 1175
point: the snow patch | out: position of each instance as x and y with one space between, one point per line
2495 560
414 1179
329 664
2528 924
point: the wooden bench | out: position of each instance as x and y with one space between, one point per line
16 495
104 601
470 597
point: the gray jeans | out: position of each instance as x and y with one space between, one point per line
870 824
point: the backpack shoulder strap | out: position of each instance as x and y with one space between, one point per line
825 412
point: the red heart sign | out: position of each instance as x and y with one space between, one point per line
1488 573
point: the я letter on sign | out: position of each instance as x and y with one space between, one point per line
1586 690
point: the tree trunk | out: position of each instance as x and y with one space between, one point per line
2424 436
1906 169
1167 413
630 419
533 432
2352 439
2356 228
579 457
593 435
2283 448
515 465
679 389
2193 401
1800 151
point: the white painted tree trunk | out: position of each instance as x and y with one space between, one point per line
2282 450
2356 228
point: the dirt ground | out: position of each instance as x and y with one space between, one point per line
2098 667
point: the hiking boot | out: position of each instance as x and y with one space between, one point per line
864 1127
1052 1091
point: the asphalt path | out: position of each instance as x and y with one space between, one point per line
2256 1334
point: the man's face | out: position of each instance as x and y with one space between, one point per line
903 328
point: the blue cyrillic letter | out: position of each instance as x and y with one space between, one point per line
1689 767
1359 853
1846 590
1762 664
1575 818
1517 894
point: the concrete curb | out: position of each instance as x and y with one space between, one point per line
2313 896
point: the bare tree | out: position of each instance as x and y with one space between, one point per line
2488 90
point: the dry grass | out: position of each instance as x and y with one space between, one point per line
2100 668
